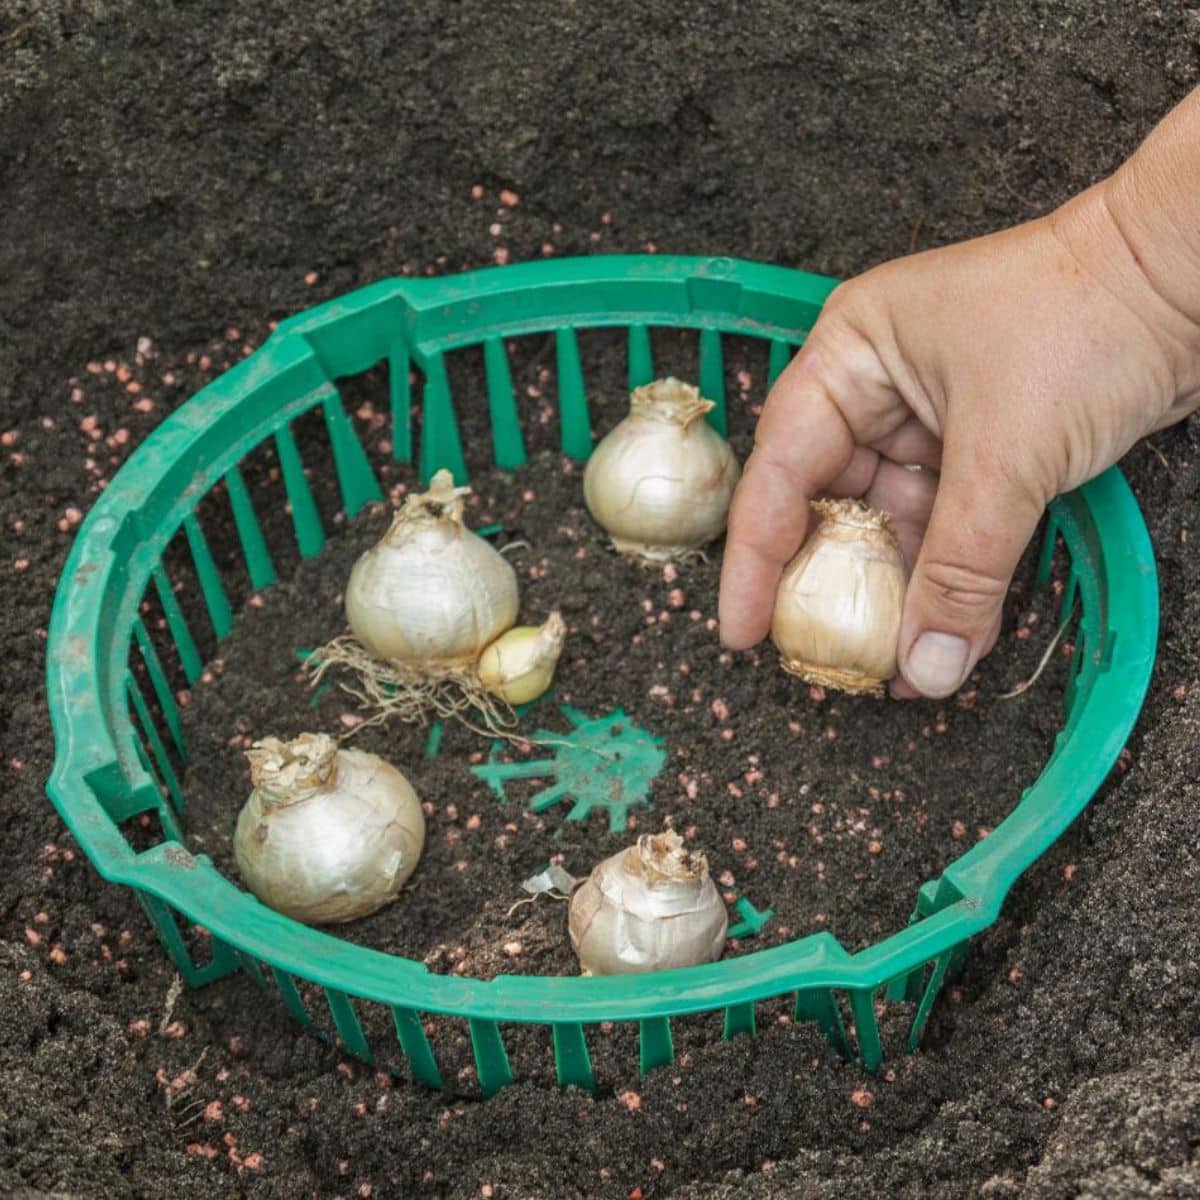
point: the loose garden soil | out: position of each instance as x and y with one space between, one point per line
174 179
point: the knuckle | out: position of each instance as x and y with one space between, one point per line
964 592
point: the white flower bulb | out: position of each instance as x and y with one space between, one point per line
838 606
431 593
660 483
327 835
650 907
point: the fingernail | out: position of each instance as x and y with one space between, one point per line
937 663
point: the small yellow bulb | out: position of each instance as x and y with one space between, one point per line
519 665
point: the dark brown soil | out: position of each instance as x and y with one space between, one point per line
176 174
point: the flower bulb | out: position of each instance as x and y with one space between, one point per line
650 907
431 593
838 606
327 835
660 483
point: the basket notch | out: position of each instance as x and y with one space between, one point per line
574 422
712 378
416 1047
355 478
211 587
655 1047
572 1063
400 398
250 534
491 1059
441 446
739 1018
641 356
161 686
819 1005
306 521
347 1024
508 446
177 625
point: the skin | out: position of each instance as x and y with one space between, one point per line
1011 368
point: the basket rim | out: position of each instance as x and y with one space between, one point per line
1117 578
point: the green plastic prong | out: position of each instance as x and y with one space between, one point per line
655 1047
400 398
1046 557
491 1059
161 757
936 979
866 1025
416 1047
641 357
252 967
712 378
306 521
355 477
162 688
739 1018
440 442
291 997
780 356
347 1024
572 1062
162 919
181 634
211 586
574 421
254 545
819 1005
508 447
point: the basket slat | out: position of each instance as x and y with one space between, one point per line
574 421
306 521
254 545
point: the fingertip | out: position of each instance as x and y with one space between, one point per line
901 689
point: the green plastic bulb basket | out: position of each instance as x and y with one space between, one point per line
117 759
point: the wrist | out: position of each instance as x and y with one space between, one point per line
1125 232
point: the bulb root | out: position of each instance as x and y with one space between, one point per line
413 695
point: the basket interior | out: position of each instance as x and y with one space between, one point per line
146 558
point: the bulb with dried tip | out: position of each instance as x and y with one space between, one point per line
650 907
837 611
519 665
431 594
327 834
660 483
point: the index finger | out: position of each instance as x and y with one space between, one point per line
802 444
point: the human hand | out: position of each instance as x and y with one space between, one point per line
1011 368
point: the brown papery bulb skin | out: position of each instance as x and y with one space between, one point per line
838 606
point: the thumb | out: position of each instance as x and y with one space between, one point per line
983 518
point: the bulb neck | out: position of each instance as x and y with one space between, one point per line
663 859
671 401
442 504
285 773
852 513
